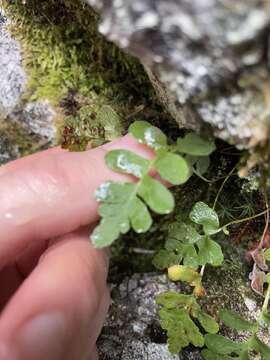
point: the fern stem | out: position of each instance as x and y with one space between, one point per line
266 300
202 270
266 221
238 221
222 186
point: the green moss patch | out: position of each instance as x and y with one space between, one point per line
66 58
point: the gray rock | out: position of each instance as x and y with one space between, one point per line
132 330
35 118
126 334
12 75
194 51
8 151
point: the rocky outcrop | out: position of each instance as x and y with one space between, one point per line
207 59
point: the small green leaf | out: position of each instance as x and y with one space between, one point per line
208 323
147 134
202 164
266 318
125 161
193 144
211 355
156 195
172 168
244 355
176 320
105 233
171 321
114 192
190 256
192 331
210 252
181 238
184 232
120 208
199 163
173 244
173 299
235 321
164 259
267 255
267 278
181 321
202 214
261 348
221 345
140 218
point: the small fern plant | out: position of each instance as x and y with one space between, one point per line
179 317
129 205
221 348
188 248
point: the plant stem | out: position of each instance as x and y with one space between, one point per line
202 270
238 221
266 300
266 221
222 186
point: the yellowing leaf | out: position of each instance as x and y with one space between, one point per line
183 273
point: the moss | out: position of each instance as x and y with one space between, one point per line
65 57
60 57
18 138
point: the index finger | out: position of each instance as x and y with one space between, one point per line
52 193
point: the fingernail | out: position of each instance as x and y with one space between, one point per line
42 337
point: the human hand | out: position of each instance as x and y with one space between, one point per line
53 292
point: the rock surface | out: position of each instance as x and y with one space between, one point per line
8 151
196 53
36 119
12 75
132 331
